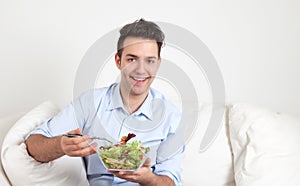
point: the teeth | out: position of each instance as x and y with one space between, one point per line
139 79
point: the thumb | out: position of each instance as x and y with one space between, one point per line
76 131
147 163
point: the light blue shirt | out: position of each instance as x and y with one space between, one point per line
100 112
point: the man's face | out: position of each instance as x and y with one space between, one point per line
138 64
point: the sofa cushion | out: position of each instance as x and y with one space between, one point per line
22 169
266 146
213 166
5 124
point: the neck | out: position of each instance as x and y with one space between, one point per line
132 102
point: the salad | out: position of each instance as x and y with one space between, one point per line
124 156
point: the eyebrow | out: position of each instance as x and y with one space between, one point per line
131 55
135 56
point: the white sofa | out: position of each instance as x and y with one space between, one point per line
255 147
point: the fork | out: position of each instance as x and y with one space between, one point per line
94 137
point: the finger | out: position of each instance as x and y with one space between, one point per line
124 173
127 176
77 140
85 152
76 131
88 150
82 153
73 145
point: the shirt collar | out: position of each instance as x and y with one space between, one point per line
116 102
146 108
115 98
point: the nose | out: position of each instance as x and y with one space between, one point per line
140 66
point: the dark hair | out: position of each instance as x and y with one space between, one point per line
144 29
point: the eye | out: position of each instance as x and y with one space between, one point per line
152 60
131 59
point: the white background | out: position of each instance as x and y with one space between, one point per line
256 44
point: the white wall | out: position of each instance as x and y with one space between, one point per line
256 44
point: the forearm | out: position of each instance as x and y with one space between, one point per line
44 149
158 180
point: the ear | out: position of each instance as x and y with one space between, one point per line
118 61
159 61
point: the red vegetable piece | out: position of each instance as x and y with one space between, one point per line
124 139
141 157
129 136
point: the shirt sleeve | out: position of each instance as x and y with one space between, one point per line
171 150
60 124
71 117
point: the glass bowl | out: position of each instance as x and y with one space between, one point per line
128 156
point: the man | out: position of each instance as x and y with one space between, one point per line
130 106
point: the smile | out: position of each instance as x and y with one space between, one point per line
139 78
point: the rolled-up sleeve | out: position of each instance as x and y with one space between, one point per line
171 167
